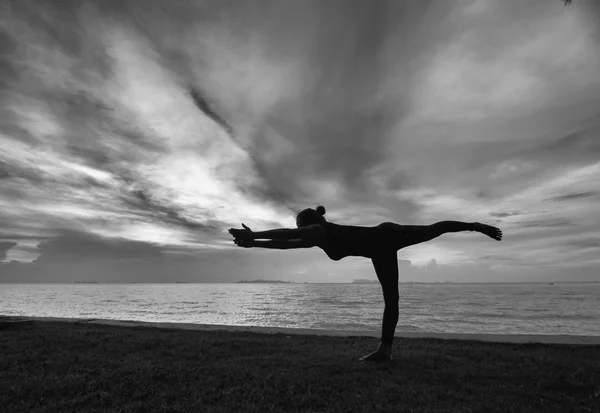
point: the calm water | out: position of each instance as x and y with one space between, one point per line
457 308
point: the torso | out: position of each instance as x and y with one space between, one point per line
343 241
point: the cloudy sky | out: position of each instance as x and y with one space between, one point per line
134 133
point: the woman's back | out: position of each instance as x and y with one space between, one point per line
347 233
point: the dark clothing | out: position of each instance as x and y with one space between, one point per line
346 240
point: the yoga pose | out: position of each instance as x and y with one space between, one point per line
379 243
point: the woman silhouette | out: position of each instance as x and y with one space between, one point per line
379 243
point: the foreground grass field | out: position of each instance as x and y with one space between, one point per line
63 367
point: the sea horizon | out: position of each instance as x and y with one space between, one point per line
481 308
283 282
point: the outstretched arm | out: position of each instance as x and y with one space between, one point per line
274 244
278 234
310 232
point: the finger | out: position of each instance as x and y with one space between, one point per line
245 227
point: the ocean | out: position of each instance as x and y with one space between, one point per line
559 308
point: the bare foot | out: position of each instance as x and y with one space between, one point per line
377 356
488 230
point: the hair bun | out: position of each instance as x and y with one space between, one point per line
320 210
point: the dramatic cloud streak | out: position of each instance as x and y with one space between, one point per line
133 134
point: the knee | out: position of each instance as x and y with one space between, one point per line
392 309
391 300
450 226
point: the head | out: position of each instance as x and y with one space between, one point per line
310 216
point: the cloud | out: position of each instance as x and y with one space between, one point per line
19 236
75 256
546 223
432 271
72 246
574 196
593 243
161 212
505 214
203 105
4 247
166 125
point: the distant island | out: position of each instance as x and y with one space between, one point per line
264 282
363 281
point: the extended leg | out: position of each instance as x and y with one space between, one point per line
386 268
457 226
416 234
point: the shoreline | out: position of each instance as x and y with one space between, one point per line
498 338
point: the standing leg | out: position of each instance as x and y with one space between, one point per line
386 268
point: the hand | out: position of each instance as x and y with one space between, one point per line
244 243
242 234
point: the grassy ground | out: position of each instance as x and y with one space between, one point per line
60 367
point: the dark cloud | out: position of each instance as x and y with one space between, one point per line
499 257
17 228
4 247
203 105
505 214
546 223
143 203
75 246
574 196
581 141
584 243
5 171
578 147
17 173
21 236
8 44
592 14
